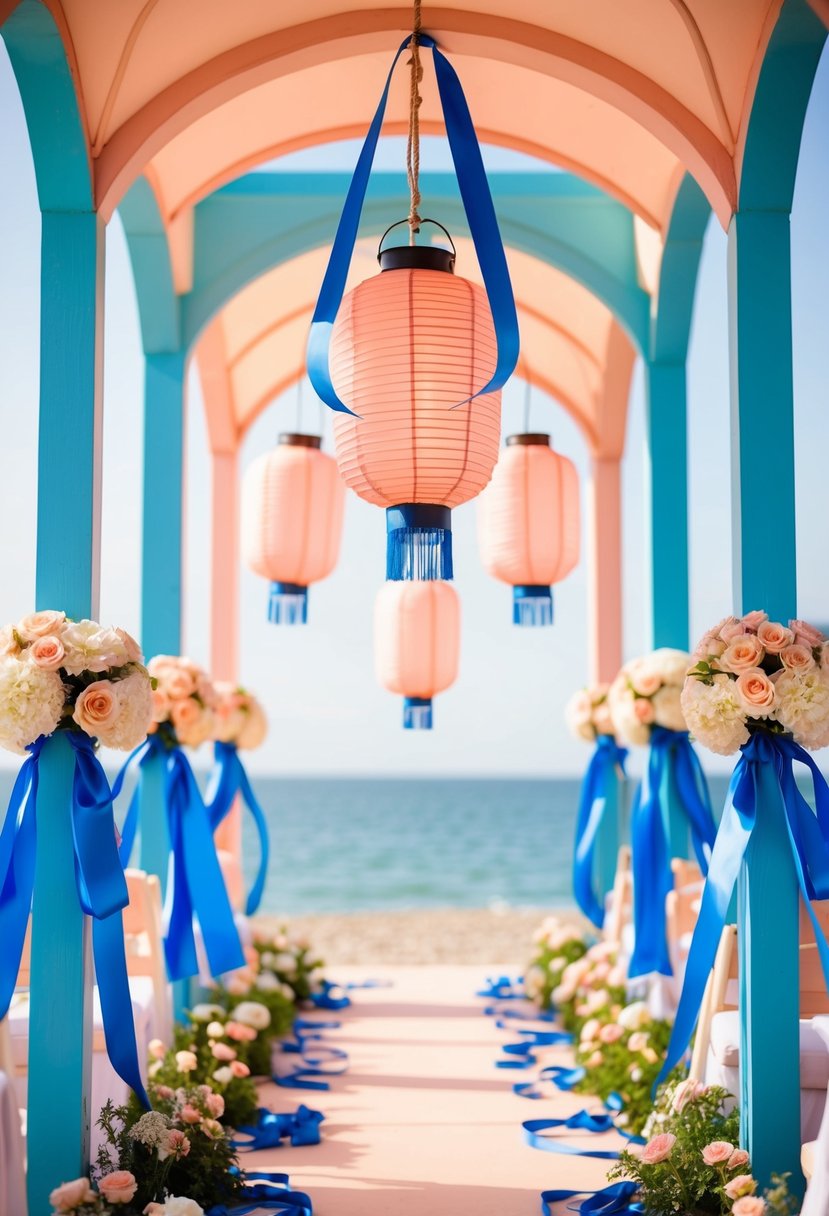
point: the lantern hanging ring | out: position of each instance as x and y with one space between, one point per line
427 257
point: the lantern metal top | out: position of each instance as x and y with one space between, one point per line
529 439
295 440
417 257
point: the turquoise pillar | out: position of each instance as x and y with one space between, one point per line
762 428
609 837
69 451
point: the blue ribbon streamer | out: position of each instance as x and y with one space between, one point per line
612 1200
268 1190
101 887
317 1058
601 773
809 839
228 780
480 214
195 885
532 1039
582 1121
503 989
300 1128
560 1075
671 757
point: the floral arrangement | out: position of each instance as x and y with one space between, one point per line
591 986
238 717
588 713
115 1195
286 960
752 674
646 693
249 995
558 945
60 674
692 1163
183 701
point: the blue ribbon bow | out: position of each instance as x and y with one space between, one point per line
268 1190
301 1128
102 892
612 1200
671 758
809 839
228 779
483 227
195 884
601 773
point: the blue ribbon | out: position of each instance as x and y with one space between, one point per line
809 839
228 779
671 757
563 1077
582 1121
598 780
503 989
195 885
301 1128
612 1200
317 1059
268 1190
532 1039
101 887
480 214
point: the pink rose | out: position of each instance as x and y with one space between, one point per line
177 1143
118 1187
131 647
644 711
154 1209
212 1129
611 1033
743 1184
47 652
806 634
221 1051
645 683
658 1149
717 1152
742 653
164 1093
774 636
40 625
756 692
97 708
239 1069
189 1114
161 705
595 1060
638 1041
797 657
753 620
685 1092
216 1105
749 1205
185 713
240 1033
732 628
178 684
71 1195
738 1159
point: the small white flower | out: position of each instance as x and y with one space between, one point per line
635 1016
31 702
206 1013
215 1030
223 1075
251 1013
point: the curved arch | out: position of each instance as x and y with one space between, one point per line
343 35
672 315
158 304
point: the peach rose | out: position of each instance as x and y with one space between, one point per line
212 1129
97 708
806 634
47 652
774 636
717 1152
133 650
797 657
240 1033
186 1061
738 1159
221 1051
118 1187
610 1033
71 1195
687 1091
742 653
732 628
239 1069
216 1105
40 625
756 692
161 705
638 1041
749 1205
156 1049
645 683
185 713
753 620
644 711
154 1209
189 1114
178 684
743 1184
164 1092
658 1149
595 1060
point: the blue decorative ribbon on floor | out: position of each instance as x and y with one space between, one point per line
483 228
267 1190
325 998
531 1040
582 1121
560 1075
227 781
809 840
598 780
300 1128
671 760
317 1058
195 884
102 890
614 1200
503 989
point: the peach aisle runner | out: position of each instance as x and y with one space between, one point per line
423 1123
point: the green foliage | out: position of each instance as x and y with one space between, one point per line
627 1066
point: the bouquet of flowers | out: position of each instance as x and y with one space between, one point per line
592 986
115 1197
286 961
238 717
558 945
60 674
646 693
588 713
751 674
691 1163
183 701
258 993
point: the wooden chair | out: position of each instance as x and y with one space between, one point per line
6 1057
681 911
620 904
144 944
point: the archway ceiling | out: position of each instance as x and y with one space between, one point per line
570 343
577 83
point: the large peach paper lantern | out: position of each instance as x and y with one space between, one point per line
417 632
292 517
529 526
409 348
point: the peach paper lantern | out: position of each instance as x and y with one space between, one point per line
529 526
409 348
292 518
417 633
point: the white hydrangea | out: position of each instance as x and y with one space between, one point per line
135 698
92 647
715 714
31 703
802 705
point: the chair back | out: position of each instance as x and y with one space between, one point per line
6 1057
143 943
814 999
620 904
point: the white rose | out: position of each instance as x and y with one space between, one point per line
91 647
178 1205
285 962
667 708
267 959
223 1075
251 1013
31 703
634 1016
206 1013
286 991
215 1030
266 981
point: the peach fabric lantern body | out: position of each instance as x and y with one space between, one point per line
417 631
292 516
529 526
408 349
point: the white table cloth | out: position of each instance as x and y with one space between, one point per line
12 1175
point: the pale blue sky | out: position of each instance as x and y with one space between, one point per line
327 713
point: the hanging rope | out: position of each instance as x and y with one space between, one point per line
413 142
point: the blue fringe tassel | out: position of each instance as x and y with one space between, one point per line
419 553
532 606
417 713
288 604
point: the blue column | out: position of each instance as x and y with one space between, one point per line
667 503
71 324
609 838
760 338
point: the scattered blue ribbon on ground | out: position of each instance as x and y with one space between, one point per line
483 228
531 1040
268 1190
671 759
518 1015
317 1058
612 1200
195 884
503 989
808 834
561 1075
598 780
228 780
581 1121
300 1128
102 891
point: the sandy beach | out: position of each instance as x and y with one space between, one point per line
427 935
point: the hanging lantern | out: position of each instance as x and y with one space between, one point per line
417 632
292 516
413 360
529 527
